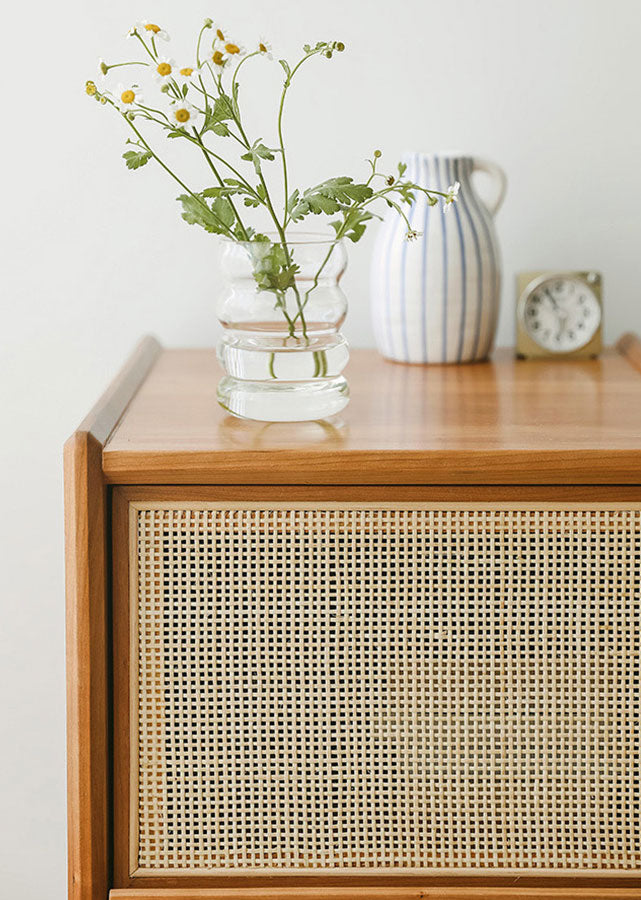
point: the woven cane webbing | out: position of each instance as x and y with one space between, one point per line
375 688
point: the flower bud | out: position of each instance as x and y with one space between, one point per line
377 154
340 46
390 180
328 54
208 22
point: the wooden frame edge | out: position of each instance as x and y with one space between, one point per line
377 893
87 624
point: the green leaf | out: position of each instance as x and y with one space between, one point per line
135 159
353 224
273 270
257 152
402 168
223 108
253 195
285 65
217 115
217 192
224 211
215 219
329 197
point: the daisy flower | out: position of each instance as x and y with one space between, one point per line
218 59
183 115
265 48
164 69
233 49
220 34
148 29
126 95
451 195
185 74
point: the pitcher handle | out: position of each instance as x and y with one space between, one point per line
500 180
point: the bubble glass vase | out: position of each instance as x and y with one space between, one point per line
281 348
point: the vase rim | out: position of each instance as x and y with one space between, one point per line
439 154
294 238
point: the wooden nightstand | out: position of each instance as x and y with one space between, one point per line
396 655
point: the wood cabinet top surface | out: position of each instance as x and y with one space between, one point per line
506 421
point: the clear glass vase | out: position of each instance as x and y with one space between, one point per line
281 309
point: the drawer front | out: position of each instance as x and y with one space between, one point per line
360 688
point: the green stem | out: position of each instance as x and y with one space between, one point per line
222 184
220 159
175 177
234 80
145 46
319 273
119 65
200 37
281 140
279 228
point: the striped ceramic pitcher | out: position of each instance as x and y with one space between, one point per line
436 300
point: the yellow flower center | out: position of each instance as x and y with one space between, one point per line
182 115
262 48
128 96
91 88
164 69
151 27
220 35
232 48
187 72
218 58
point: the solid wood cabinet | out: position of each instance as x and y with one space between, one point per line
392 655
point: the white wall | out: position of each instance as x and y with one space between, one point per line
95 256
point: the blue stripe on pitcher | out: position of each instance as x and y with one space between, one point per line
479 262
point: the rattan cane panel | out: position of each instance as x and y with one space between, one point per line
386 688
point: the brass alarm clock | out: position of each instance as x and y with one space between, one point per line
559 314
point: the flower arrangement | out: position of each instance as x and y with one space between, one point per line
198 101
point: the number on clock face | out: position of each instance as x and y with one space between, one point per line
562 314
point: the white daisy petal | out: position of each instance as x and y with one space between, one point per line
150 29
126 96
265 48
164 69
183 115
185 74
451 195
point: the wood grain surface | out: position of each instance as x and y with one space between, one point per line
87 576
506 421
381 893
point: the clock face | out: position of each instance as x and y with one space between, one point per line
561 314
